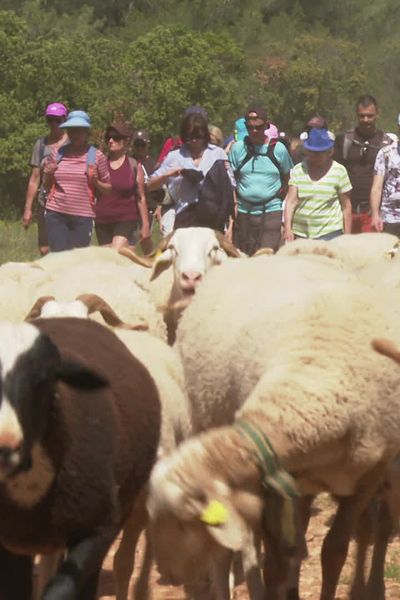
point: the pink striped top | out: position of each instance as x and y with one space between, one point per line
70 195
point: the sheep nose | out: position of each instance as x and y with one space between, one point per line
192 277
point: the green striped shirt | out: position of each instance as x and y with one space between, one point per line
319 211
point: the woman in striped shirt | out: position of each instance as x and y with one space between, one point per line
318 201
73 176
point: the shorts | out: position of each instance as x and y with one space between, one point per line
361 223
43 239
252 232
105 232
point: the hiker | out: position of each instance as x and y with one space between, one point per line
216 136
195 170
318 203
119 214
385 190
55 114
297 149
141 151
73 176
261 166
357 150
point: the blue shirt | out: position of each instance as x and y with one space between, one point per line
259 179
182 191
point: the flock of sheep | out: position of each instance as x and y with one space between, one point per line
281 383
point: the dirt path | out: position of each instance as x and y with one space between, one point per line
311 573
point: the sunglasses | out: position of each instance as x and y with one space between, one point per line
139 143
54 119
114 136
193 138
256 127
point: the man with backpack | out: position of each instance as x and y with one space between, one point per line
357 150
55 114
261 166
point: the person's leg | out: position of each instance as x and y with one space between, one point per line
43 240
271 231
356 226
241 235
80 231
104 233
57 231
122 233
366 226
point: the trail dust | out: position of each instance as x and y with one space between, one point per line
310 576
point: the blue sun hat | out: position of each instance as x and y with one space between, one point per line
77 118
319 140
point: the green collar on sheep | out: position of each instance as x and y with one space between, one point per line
280 518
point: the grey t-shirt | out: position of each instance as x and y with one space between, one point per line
40 151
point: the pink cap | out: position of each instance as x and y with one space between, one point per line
272 131
56 110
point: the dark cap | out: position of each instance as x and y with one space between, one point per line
141 134
121 128
256 112
196 110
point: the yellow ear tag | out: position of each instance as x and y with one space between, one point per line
215 513
158 254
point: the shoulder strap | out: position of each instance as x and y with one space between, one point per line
348 140
271 155
91 156
42 147
249 155
134 165
60 152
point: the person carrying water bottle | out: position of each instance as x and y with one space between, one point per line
73 176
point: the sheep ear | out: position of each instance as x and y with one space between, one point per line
36 309
224 524
161 263
78 376
387 348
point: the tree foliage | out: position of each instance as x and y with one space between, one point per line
147 60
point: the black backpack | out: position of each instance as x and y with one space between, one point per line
216 199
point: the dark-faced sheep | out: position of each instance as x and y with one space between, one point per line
79 431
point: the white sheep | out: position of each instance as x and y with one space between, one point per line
109 281
191 252
291 340
354 252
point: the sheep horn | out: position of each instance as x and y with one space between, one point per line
263 252
95 303
143 261
36 309
387 348
226 245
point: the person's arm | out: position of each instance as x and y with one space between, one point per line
345 203
375 202
155 182
142 204
33 186
291 202
103 187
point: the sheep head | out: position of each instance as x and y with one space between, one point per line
198 513
191 251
